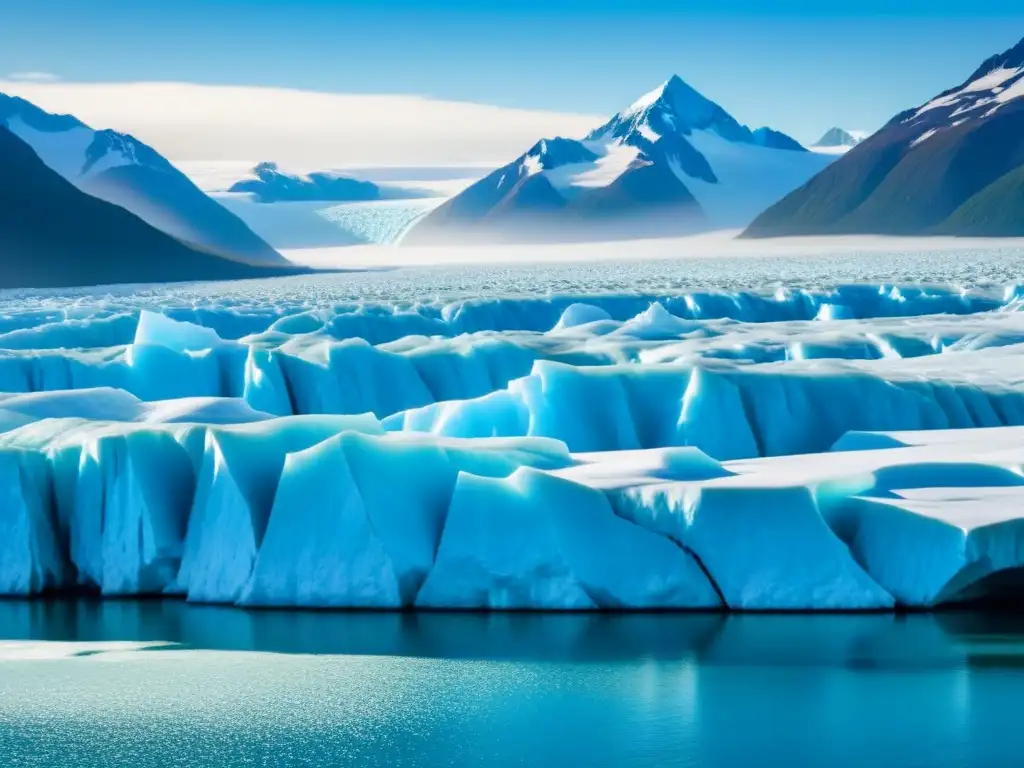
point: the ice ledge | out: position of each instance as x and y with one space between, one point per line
332 512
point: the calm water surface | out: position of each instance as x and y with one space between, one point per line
163 684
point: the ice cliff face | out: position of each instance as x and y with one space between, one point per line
374 358
226 514
846 448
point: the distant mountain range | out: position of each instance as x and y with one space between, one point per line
673 162
122 170
52 234
270 184
951 166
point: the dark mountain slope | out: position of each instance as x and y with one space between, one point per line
928 171
996 211
53 234
128 173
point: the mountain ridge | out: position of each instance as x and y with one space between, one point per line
120 169
94 242
928 171
655 168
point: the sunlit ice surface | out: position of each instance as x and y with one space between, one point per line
762 431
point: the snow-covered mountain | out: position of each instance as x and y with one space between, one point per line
54 234
838 140
673 161
122 170
993 86
953 165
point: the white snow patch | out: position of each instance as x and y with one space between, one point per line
989 82
648 133
994 79
1014 91
646 100
531 164
710 245
924 136
750 178
613 163
65 151
838 150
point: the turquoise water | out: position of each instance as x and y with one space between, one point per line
163 684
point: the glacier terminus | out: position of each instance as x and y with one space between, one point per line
838 447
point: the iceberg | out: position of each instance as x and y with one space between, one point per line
131 505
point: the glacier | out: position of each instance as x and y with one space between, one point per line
249 515
850 446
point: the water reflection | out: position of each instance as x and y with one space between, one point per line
388 689
859 641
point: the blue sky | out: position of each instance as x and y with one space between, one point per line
799 67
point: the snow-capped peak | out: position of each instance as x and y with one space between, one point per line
998 81
71 147
121 170
674 107
838 141
677 96
1012 59
840 137
672 161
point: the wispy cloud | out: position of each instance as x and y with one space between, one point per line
33 77
303 129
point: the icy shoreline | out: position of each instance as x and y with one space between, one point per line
304 512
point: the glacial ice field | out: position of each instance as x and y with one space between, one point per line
750 434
